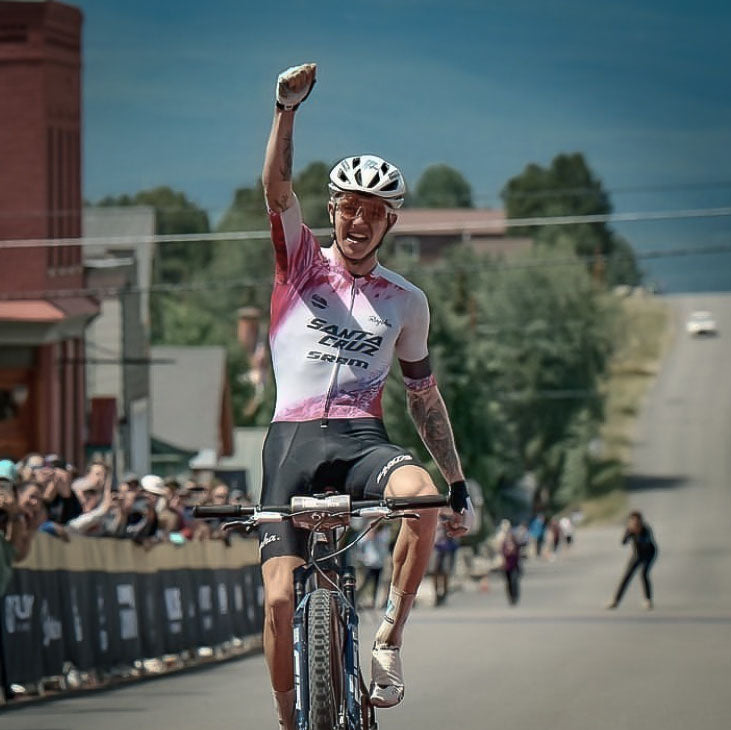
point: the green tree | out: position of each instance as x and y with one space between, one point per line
174 214
568 187
519 354
441 186
175 262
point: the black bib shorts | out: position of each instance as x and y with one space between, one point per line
350 456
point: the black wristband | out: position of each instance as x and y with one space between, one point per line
458 495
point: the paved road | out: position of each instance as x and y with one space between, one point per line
559 660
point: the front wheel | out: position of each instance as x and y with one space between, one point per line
323 660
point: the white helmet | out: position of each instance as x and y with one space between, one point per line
369 175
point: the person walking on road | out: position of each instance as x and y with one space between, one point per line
511 566
643 555
445 551
372 554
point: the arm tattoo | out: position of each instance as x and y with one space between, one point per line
429 414
286 168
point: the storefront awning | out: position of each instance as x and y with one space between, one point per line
46 310
38 321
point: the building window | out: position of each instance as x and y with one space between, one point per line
410 247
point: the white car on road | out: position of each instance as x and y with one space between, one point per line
701 323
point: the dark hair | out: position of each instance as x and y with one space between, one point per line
637 515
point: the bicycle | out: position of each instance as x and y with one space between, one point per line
330 692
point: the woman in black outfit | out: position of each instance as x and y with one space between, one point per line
643 554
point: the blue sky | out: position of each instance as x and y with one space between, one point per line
180 93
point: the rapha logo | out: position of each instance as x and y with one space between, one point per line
378 320
266 539
318 302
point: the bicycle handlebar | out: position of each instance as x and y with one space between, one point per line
427 501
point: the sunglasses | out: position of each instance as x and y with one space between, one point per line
371 211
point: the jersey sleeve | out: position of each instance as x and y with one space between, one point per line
412 343
294 243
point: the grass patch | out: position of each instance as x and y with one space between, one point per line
644 335
609 507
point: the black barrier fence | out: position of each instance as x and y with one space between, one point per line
98 619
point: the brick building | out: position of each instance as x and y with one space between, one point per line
42 322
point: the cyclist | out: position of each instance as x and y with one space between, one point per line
337 318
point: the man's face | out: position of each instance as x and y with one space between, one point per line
219 495
42 473
197 495
360 223
97 473
31 498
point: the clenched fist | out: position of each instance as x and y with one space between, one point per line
294 85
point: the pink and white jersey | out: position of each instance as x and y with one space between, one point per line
333 335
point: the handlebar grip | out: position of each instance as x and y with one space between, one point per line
222 510
427 500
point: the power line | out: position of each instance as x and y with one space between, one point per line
554 192
593 192
257 283
465 228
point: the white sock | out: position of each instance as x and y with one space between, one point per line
390 632
284 704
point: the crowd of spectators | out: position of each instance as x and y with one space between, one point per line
44 492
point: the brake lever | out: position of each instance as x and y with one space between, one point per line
403 516
238 526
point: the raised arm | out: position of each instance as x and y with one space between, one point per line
293 87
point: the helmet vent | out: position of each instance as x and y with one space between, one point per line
391 186
358 177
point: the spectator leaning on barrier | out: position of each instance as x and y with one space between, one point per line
11 523
28 465
220 494
96 505
97 472
61 502
21 513
193 494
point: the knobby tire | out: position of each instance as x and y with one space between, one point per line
321 648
